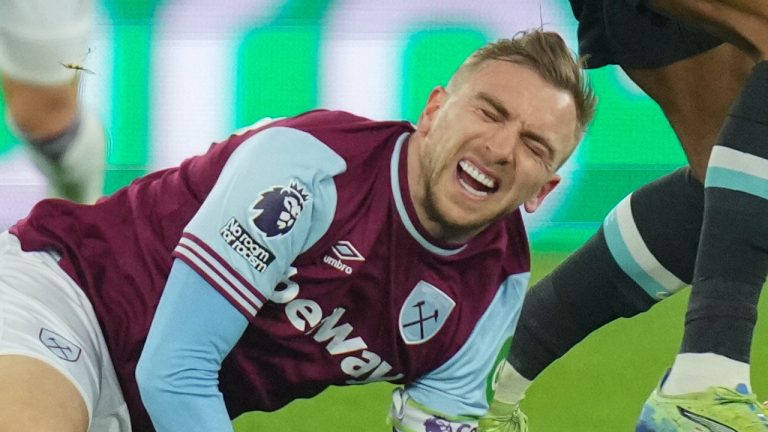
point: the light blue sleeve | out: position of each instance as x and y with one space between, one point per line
194 329
274 199
462 386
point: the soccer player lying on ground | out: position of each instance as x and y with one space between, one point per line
674 231
325 249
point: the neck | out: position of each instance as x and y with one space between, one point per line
425 211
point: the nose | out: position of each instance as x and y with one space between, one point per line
501 145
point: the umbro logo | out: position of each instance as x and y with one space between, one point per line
344 251
708 423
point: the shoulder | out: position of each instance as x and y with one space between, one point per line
351 136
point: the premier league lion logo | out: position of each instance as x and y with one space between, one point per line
278 209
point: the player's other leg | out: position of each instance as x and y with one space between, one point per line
36 397
38 38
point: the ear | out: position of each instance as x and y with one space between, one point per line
435 101
533 203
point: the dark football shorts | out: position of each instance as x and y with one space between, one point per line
627 33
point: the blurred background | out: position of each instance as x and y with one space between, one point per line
171 77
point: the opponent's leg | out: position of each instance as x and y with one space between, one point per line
630 264
36 397
695 95
731 267
733 259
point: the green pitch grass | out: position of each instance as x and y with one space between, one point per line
599 386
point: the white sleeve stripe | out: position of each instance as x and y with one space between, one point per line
233 301
211 269
225 267
207 268
215 280
639 250
734 160
217 264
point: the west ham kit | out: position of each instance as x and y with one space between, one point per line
306 227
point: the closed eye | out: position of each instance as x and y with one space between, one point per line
535 147
539 147
488 114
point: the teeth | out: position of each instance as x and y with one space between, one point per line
476 174
472 190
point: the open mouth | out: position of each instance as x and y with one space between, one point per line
474 180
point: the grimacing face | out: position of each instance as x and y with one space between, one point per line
489 143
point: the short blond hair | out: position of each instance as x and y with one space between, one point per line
547 53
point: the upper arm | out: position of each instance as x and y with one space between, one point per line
274 198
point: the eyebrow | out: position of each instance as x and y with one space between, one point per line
495 103
504 113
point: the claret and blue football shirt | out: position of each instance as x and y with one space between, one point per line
306 227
